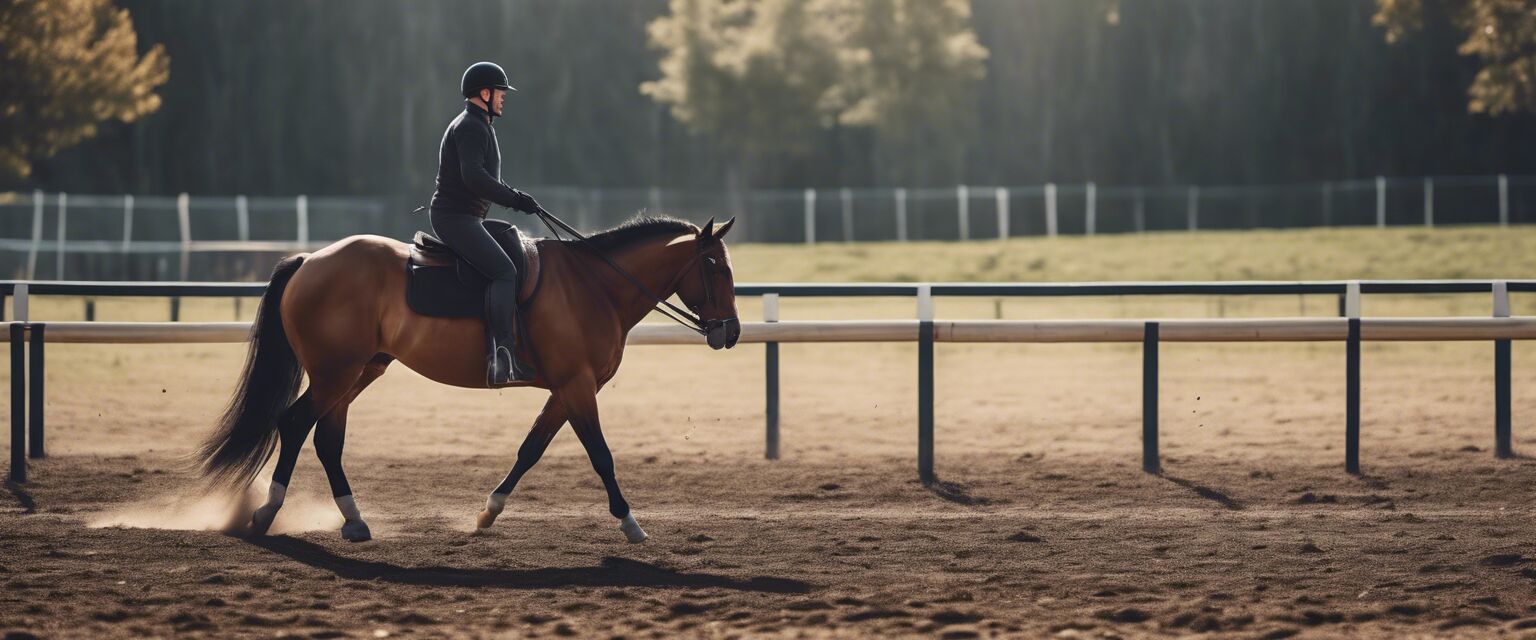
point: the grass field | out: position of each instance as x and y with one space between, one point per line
1307 254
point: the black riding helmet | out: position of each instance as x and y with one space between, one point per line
483 75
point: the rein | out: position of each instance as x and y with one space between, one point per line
688 319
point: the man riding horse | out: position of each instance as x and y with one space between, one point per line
468 182
340 316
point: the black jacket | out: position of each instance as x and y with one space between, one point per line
469 167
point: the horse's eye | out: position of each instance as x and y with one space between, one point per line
711 261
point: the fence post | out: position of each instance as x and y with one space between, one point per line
925 384
1352 379
901 214
810 216
1150 461
1140 211
127 222
1503 200
1002 213
655 200
1050 209
595 220
1429 201
19 385
1381 202
22 302
37 233
63 221
1503 413
771 377
1092 214
18 404
847 197
1327 204
301 211
184 222
35 409
243 217
963 200
1192 209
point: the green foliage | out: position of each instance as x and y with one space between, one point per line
759 75
769 76
1500 33
66 65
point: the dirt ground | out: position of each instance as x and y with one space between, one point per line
1043 523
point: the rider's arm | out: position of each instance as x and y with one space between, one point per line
471 143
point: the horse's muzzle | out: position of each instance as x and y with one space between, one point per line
723 334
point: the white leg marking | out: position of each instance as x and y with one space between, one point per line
493 506
276 494
261 520
632 529
496 502
354 529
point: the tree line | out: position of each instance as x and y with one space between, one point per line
351 96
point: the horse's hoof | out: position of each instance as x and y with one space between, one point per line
485 520
355 531
632 529
261 519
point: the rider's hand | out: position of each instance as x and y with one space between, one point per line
524 202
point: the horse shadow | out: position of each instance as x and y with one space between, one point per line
611 572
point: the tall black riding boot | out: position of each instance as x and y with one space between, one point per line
504 366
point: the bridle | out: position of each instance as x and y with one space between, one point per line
706 277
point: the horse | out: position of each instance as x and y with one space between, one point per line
339 315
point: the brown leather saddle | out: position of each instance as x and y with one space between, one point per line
439 283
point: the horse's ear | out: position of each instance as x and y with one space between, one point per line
709 228
720 233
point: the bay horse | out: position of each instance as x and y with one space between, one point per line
340 316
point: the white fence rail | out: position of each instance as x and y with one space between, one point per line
1351 330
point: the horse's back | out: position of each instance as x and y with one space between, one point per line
362 245
340 289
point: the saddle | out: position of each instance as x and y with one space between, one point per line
441 284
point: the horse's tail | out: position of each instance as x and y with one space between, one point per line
247 432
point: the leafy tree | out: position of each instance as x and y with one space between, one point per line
761 76
1500 33
771 76
65 66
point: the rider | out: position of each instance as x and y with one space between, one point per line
468 182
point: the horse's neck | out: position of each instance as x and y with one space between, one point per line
655 263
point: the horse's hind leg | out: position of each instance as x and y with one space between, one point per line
544 429
292 430
329 438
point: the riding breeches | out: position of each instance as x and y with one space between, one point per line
467 236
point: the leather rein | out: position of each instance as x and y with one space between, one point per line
688 319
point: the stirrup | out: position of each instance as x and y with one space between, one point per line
499 371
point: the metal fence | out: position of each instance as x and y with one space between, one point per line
28 339
127 237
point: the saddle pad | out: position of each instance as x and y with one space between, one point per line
457 290
438 292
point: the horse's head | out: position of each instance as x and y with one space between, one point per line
711 294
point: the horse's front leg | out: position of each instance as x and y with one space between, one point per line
544 429
580 401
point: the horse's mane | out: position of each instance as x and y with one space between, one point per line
640 227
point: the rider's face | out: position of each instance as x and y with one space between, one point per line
498 97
